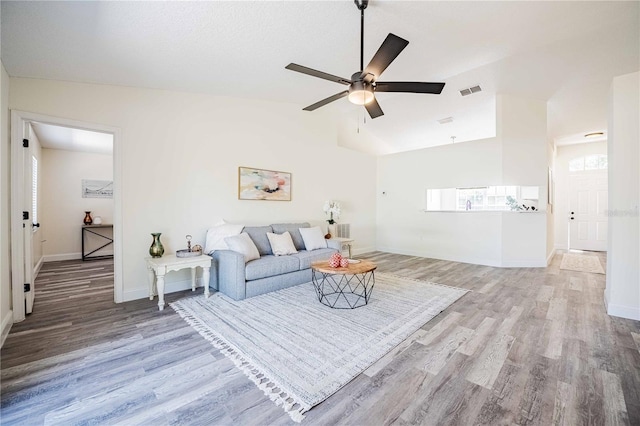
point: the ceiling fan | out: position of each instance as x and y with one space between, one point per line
363 84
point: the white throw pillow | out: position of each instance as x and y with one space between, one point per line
281 244
217 234
243 244
313 238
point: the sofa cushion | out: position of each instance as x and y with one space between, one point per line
217 234
281 244
259 236
294 230
313 238
308 257
269 265
244 245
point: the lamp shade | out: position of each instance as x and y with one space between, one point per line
360 94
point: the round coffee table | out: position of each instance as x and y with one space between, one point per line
344 288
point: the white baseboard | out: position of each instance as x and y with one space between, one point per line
64 256
170 287
524 264
472 260
36 270
629 312
550 257
7 322
362 250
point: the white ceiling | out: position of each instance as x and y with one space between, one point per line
563 52
70 139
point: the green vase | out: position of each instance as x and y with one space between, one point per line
156 249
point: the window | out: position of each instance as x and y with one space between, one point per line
589 162
34 190
487 198
496 198
576 165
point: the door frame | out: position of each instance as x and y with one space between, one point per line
19 119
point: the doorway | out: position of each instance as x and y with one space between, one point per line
588 205
22 167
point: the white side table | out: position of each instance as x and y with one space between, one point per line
159 266
340 244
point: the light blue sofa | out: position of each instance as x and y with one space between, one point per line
232 277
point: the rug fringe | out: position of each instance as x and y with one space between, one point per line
270 388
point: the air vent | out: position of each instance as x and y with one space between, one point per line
446 120
470 90
343 230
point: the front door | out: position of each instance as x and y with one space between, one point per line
588 197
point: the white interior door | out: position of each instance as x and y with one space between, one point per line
27 226
21 225
588 198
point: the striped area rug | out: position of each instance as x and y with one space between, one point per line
300 352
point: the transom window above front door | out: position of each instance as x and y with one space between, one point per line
588 162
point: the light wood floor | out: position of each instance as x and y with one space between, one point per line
527 346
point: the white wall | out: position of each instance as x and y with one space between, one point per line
62 204
566 153
6 314
403 226
522 130
622 294
517 156
181 153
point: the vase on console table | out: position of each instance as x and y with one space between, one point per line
156 249
87 218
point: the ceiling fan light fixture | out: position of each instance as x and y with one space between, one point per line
360 93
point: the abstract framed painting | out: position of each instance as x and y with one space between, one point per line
259 184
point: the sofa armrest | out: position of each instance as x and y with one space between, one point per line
230 277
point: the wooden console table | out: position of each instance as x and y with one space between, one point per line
95 230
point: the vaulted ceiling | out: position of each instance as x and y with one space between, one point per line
563 52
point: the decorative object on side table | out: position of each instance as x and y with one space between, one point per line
156 249
332 208
87 218
189 252
97 220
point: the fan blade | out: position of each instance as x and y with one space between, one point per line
409 87
319 74
373 108
326 101
388 51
